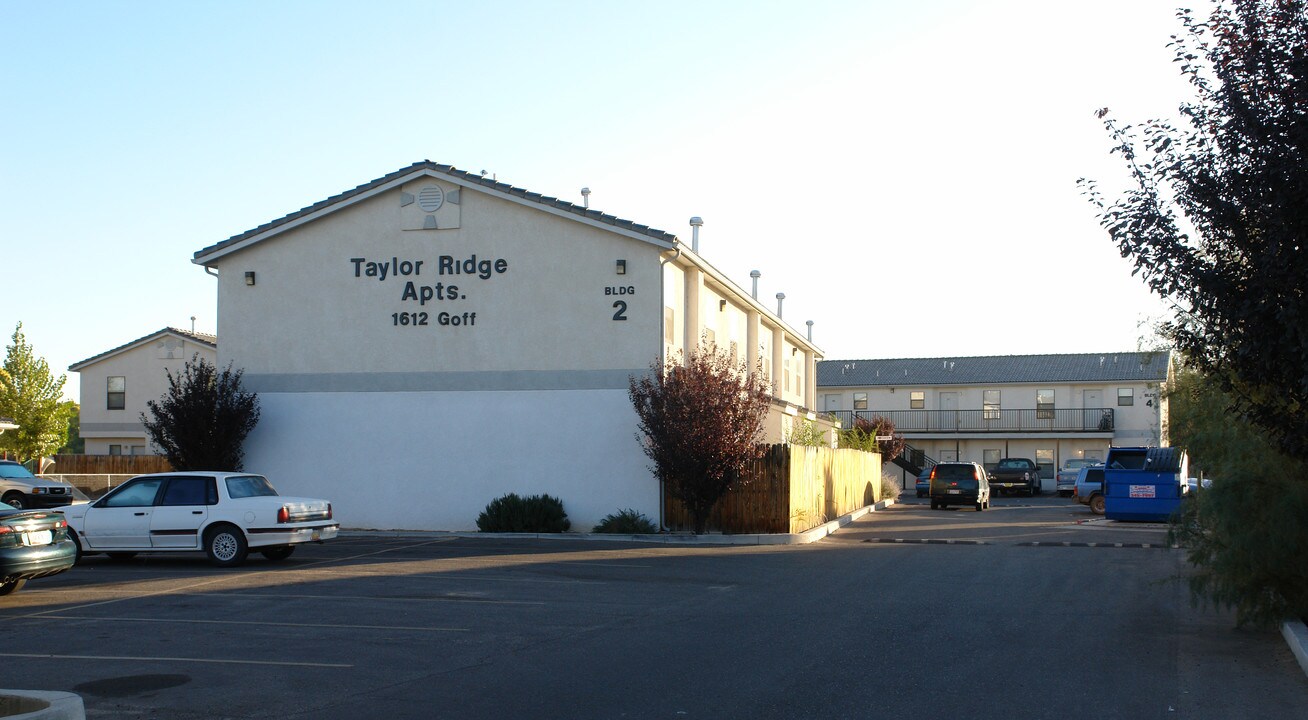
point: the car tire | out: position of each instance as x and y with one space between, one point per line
77 546
225 545
1097 504
16 499
281 552
8 587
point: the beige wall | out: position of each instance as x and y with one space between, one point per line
145 368
546 305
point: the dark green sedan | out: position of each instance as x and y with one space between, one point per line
33 544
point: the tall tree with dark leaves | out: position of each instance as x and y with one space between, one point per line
1216 217
701 423
202 421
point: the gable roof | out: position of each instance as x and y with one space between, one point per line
210 341
445 172
1000 369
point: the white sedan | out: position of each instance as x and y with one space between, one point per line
223 514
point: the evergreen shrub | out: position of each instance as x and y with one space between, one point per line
533 514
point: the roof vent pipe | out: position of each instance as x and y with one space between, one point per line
695 224
780 297
809 323
585 198
756 275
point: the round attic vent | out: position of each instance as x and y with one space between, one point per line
431 198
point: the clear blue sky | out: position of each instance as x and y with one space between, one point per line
904 172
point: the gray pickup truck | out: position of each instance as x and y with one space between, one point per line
1016 474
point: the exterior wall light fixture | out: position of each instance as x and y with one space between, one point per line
622 267
249 277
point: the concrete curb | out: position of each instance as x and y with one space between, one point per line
1296 636
808 536
41 705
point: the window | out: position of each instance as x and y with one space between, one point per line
134 494
137 450
115 449
190 491
917 400
1045 460
785 371
1125 396
669 325
244 486
990 405
1044 404
117 396
989 459
860 401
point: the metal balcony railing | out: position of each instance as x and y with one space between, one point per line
983 421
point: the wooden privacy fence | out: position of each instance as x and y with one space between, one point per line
108 464
791 489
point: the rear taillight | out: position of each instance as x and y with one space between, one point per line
284 515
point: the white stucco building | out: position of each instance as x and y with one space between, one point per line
433 339
117 383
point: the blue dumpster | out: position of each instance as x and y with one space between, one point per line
1144 484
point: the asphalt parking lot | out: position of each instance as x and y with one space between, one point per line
1014 612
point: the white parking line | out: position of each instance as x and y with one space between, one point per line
328 626
219 579
40 656
375 598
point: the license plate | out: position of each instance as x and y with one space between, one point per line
955 492
40 537
317 535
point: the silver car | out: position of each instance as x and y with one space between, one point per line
25 491
1066 478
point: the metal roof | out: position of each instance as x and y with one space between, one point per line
460 176
202 338
999 369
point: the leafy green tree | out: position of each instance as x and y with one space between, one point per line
1245 535
1216 217
701 424
202 421
806 432
863 434
31 395
73 442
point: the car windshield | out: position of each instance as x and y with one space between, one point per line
244 486
1021 464
15 471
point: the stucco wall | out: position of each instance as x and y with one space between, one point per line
145 368
434 460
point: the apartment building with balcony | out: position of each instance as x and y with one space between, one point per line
1050 408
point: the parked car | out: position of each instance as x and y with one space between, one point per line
1065 480
959 483
1193 484
1090 488
1012 474
924 483
23 490
223 514
33 544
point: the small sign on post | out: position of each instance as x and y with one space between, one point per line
885 438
